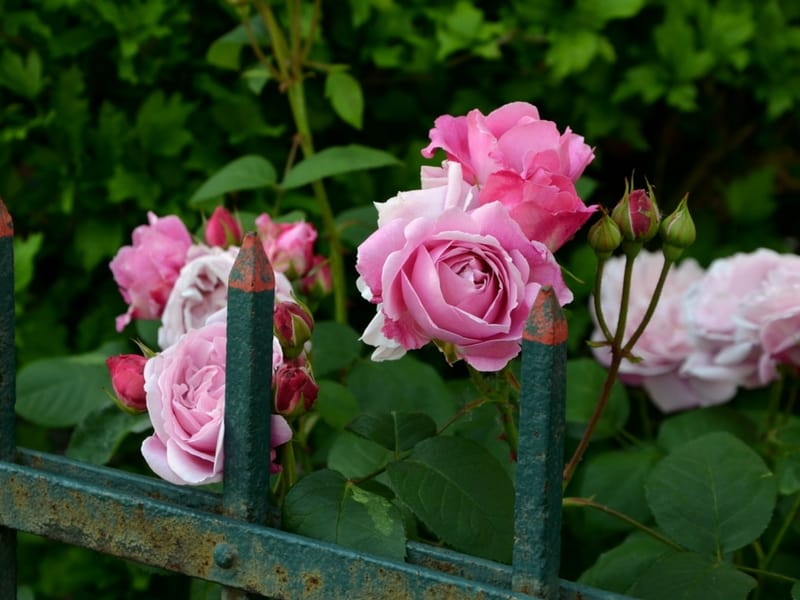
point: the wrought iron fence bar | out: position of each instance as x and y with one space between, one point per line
8 537
256 559
540 456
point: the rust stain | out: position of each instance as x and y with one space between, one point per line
252 272
6 224
546 324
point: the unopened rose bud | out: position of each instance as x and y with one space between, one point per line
317 282
222 229
127 379
295 388
637 214
604 237
292 325
678 231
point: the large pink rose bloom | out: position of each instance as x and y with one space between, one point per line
465 280
725 350
665 343
146 271
522 161
200 290
185 389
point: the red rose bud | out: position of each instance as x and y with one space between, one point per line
637 214
127 379
677 231
295 388
292 324
222 229
604 237
317 282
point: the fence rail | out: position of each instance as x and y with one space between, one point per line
226 538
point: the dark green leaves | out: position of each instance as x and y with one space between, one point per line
394 431
585 379
461 493
325 506
347 99
335 161
712 495
245 173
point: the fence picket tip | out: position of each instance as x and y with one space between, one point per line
251 270
546 323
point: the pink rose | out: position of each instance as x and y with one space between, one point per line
522 161
127 379
185 387
295 387
665 343
222 229
146 271
289 246
466 280
725 350
200 290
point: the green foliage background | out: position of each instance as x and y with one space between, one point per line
111 109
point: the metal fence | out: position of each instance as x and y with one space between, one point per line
225 538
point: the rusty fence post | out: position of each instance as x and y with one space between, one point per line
540 457
8 545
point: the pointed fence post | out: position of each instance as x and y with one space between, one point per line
248 395
540 456
8 538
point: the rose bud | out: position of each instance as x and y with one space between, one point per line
677 231
127 379
317 282
222 229
637 214
292 324
604 237
295 388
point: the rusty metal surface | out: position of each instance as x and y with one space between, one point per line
256 559
540 456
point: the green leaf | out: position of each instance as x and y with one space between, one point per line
750 198
355 457
678 430
335 403
693 577
461 493
160 124
347 99
585 378
96 240
124 185
713 494
405 384
335 161
796 591
25 251
357 224
601 11
335 346
22 77
325 506
573 51
246 173
61 392
98 436
395 431
617 569
614 478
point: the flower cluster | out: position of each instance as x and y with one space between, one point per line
459 261
713 331
165 275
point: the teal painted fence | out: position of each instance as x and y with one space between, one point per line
225 537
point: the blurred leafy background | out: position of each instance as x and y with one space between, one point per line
111 109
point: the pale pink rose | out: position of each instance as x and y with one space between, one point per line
200 290
522 161
773 315
466 280
665 343
185 388
725 350
289 246
146 271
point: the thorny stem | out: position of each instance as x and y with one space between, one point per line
618 351
601 319
572 501
289 58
